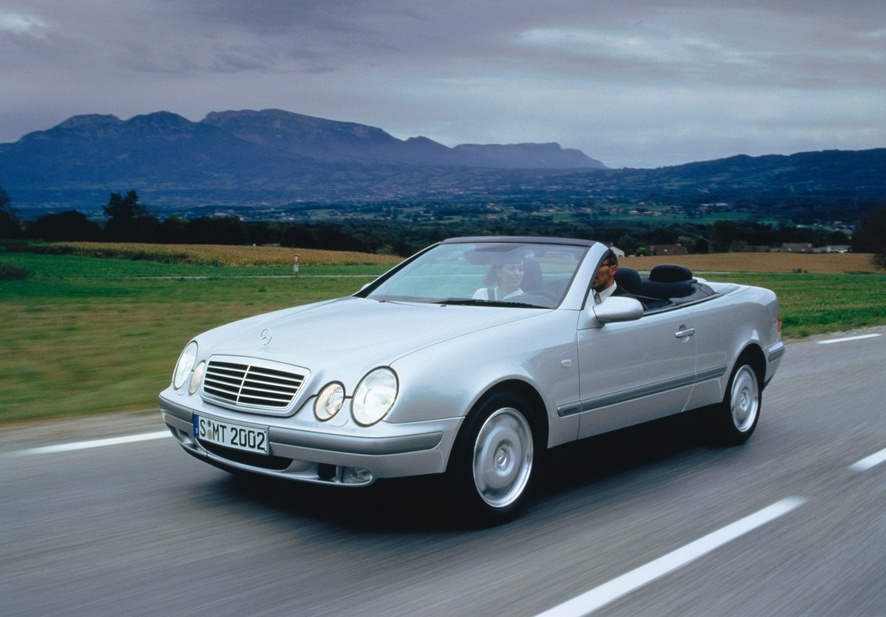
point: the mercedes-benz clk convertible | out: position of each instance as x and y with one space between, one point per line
472 359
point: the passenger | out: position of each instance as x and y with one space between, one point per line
503 279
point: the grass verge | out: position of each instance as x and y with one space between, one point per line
82 334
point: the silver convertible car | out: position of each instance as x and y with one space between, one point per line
472 359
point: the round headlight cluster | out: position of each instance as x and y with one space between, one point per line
374 396
373 399
185 365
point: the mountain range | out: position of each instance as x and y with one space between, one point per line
268 151
246 158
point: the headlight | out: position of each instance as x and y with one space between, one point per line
196 378
374 396
329 402
184 365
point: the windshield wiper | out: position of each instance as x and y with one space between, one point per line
481 302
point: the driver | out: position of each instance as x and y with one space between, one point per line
604 284
503 279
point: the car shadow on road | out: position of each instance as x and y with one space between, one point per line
636 448
423 504
387 505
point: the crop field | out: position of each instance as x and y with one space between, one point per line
812 263
91 328
252 256
215 255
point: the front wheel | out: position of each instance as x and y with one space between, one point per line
493 460
737 416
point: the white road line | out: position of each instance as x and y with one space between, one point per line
869 461
613 590
847 339
95 443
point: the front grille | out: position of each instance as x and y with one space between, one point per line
250 386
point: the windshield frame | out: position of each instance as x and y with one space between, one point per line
464 266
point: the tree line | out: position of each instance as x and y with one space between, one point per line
127 219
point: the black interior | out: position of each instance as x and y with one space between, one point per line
666 285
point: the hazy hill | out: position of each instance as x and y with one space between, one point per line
330 140
231 149
247 158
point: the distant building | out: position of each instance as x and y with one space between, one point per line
796 247
833 248
669 249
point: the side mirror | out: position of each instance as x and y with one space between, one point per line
614 309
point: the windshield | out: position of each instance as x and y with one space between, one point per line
523 274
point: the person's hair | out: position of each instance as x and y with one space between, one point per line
610 259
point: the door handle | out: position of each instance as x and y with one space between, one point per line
684 333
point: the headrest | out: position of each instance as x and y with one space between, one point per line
670 273
628 279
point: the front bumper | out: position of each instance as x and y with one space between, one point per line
387 451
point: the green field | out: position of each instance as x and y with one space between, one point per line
820 303
83 335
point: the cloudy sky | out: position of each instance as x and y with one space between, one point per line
634 83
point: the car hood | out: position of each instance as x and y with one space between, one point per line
353 331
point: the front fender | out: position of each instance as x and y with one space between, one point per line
447 379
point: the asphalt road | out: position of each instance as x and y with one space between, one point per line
646 522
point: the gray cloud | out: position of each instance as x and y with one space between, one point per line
634 83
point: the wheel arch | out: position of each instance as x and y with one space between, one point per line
527 392
536 406
754 356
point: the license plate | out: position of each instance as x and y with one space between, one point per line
231 434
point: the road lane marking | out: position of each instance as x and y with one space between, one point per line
847 339
869 461
606 593
95 443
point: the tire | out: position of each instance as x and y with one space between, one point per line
492 463
737 416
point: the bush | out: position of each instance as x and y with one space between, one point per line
13 273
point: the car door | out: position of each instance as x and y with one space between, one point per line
721 331
635 371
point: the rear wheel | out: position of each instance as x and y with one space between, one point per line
737 416
493 459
